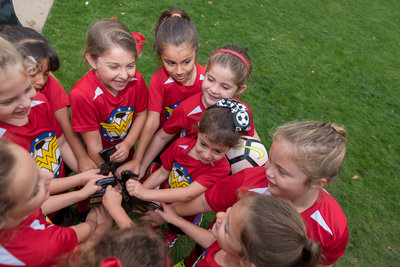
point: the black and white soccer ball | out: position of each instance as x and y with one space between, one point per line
250 152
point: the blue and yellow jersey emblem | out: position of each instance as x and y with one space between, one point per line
47 154
168 110
178 177
116 128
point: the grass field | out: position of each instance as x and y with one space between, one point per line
336 61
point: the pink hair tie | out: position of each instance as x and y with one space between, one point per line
236 54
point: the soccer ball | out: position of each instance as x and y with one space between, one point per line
248 153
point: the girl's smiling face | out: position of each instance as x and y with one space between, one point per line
16 95
219 82
29 186
285 179
115 68
39 78
179 62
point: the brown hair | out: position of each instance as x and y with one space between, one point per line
7 163
32 46
174 27
9 57
133 246
320 147
274 234
105 34
217 124
240 69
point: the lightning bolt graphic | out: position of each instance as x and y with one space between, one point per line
48 156
119 129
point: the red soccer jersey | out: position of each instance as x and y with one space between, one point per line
35 242
56 95
185 118
224 193
327 225
207 258
166 94
184 169
95 108
38 136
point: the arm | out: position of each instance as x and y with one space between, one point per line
103 225
84 161
149 128
124 147
112 202
62 184
67 154
85 229
193 207
57 202
160 139
136 189
94 146
159 176
201 236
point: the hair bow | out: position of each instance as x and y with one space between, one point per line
110 262
139 38
239 113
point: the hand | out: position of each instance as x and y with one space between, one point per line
122 152
90 188
153 218
86 163
112 198
103 218
132 165
91 174
169 213
135 189
91 218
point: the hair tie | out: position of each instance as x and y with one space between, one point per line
139 38
234 53
308 245
239 113
176 15
110 262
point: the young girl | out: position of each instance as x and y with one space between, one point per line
109 104
194 165
257 231
133 246
304 156
26 117
176 43
227 71
42 60
26 237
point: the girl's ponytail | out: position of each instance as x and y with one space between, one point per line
311 253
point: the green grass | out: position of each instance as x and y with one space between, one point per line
335 61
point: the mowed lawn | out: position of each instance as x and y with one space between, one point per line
337 61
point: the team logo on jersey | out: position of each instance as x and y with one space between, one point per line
117 126
178 177
168 110
202 256
46 153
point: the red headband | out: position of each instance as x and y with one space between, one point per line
236 54
139 38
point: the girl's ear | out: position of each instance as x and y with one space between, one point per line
241 90
321 182
90 60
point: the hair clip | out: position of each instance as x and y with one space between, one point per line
239 113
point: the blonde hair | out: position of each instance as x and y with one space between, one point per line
274 234
7 163
9 57
320 147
